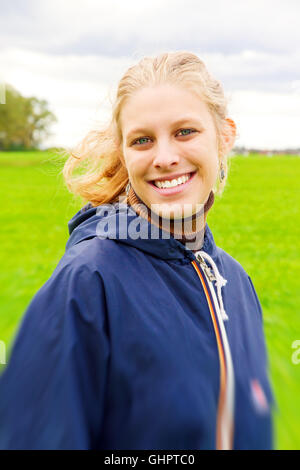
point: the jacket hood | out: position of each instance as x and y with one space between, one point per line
121 223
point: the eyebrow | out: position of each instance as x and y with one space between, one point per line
179 122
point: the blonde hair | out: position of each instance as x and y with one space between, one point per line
102 175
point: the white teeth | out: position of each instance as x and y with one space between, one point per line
172 183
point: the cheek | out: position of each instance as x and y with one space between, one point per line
208 168
136 166
203 149
207 161
213 169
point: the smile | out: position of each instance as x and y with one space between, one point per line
168 187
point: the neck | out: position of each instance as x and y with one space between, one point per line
185 230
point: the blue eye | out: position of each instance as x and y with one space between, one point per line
145 139
184 130
137 140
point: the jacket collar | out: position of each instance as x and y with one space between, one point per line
121 223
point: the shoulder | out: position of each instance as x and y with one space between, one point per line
75 289
234 272
238 278
231 264
90 261
89 254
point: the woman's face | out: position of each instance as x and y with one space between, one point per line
169 133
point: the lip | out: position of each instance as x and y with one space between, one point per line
176 189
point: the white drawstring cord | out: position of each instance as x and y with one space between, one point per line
227 418
220 281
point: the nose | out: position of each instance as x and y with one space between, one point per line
165 157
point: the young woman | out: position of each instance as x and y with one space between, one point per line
147 335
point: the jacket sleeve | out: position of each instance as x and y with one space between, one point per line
53 388
265 356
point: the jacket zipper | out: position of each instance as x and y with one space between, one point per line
225 421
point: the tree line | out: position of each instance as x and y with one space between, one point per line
24 121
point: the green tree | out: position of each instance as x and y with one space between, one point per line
24 122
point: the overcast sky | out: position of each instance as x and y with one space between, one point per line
72 53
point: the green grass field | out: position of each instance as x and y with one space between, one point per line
256 220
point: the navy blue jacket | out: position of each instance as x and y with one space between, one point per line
123 348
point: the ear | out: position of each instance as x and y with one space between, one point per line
228 135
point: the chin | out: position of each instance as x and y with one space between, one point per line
176 211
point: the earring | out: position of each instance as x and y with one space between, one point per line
127 188
221 173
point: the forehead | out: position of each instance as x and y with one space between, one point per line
161 105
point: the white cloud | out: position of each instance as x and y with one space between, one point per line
122 28
269 133
79 90
266 120
265 103
73 54
255 70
